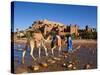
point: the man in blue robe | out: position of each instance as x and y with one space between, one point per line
69 44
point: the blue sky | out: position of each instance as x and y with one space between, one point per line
26 12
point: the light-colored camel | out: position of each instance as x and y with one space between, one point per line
57 42
37 40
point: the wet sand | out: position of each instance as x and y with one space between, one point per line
86 54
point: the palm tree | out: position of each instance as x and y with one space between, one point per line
30 27
18 34
17 30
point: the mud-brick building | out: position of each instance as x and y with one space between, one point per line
72 29
88 29
46 27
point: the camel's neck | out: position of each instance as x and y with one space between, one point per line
48 38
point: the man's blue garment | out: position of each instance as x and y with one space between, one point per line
69 44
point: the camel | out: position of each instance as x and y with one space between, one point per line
56 42
37 40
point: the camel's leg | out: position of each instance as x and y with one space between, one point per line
23 54
59 49
45 50
39 50
52 50
31 53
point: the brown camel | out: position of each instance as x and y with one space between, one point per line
37 40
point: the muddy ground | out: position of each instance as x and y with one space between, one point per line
84 57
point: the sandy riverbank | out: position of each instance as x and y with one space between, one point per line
23 41
85 41
86 54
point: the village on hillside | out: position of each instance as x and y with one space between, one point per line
49 27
